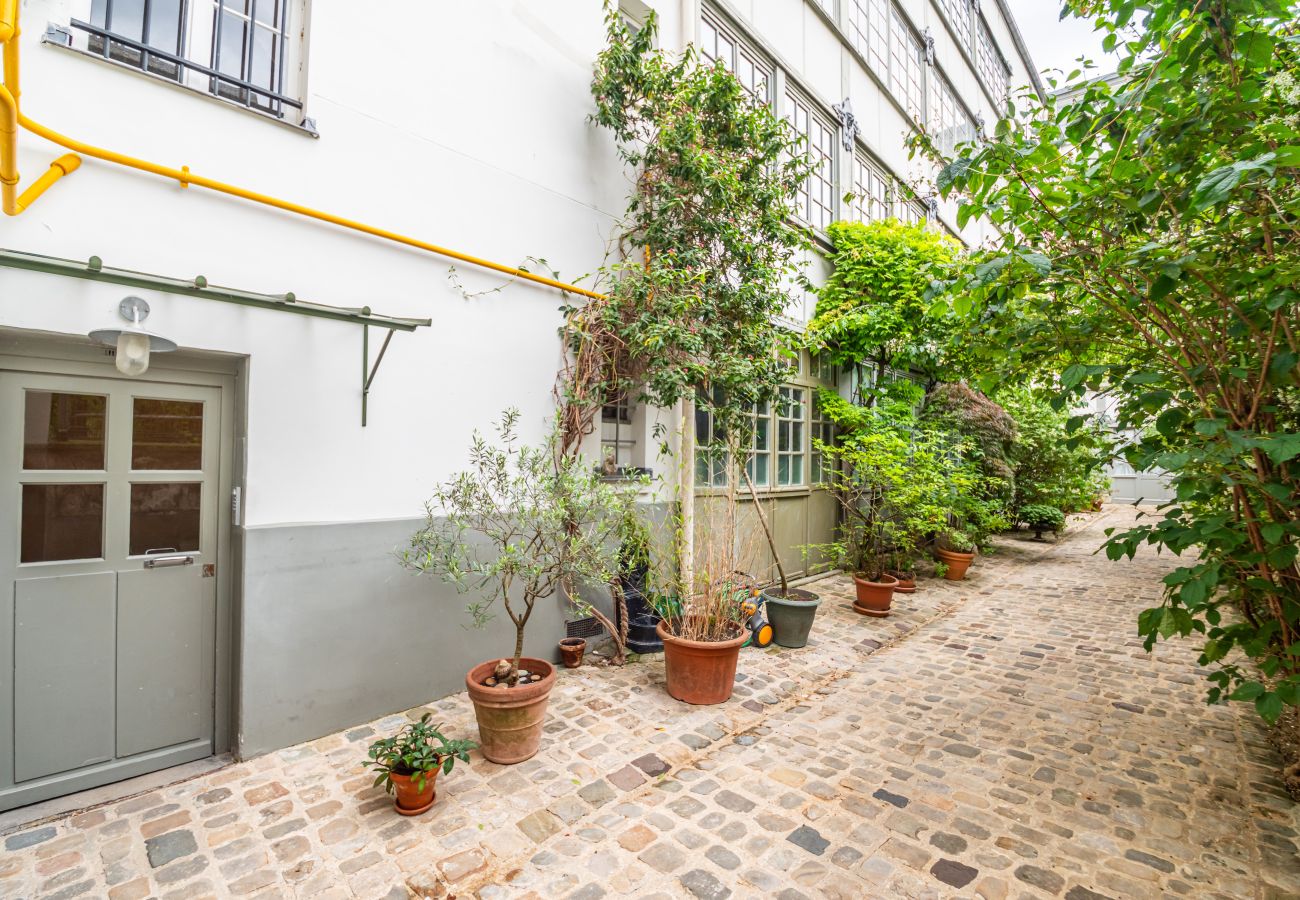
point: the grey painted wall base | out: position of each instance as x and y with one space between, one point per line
333 632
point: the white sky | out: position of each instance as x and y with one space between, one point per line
1056 44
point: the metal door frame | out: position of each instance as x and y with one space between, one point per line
50 355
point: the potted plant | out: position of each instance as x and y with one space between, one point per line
409 762
976 511
519 525
641 621
956 551
704 628
571 650
1039 517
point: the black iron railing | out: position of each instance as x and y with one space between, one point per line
146 55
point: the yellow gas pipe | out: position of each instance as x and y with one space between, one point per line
11 117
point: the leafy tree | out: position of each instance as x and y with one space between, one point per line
1048 466
1149 241
873 306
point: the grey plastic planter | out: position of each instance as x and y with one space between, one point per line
792 619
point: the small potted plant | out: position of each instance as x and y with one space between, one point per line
520 524
956 551
1039 517
409 762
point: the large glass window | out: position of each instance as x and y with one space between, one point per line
823 431
245 51
617 441
960 14
717 41
711 460
992 67
790 438
905 61
948 124
869 32
870 191
760 455
816 197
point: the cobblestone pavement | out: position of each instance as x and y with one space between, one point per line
1002 737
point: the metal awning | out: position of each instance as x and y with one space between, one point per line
198 286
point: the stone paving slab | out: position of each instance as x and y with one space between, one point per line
1001 737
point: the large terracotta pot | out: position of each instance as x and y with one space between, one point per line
510 719
700 672
410 801
874 597
792 616
957 563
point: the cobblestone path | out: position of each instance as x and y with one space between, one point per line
1002 737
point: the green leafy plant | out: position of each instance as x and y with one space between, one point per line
1039 518
1149 248
873 306
519 524
1051 463
417 751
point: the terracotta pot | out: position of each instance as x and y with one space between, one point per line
791 616
957 563
412 802
700 672
906 582
874 597
571 649
510 719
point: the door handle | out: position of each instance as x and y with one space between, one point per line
163 562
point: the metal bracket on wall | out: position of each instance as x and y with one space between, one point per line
198 286
367 371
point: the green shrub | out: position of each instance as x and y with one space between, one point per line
1039 517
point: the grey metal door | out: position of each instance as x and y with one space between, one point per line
108 548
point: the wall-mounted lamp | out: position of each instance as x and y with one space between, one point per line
133 343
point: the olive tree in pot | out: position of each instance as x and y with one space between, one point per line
516 527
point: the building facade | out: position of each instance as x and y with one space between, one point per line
200 558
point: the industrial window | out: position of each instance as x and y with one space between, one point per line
911 212
992 67
711 461
759 464
869 32
905 61
617 439
870 191
790 439
244 51
718 42
948 123
828 6
961 14
816 196
823 431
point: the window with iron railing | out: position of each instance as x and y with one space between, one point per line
243 51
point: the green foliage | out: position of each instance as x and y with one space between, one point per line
985 425
1040 517
873 306
895 484
1051 464
517 525
418 750
1150 247
708 246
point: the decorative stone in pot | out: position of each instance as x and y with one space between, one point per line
700 672
956 561
510 719
791 615
571 649
874 598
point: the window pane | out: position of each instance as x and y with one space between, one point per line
64 431
261 68
62 521
164 25
164 516
230 52
167 434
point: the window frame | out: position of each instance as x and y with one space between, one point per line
194 66
817 196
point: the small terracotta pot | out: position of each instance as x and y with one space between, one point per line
700 672
510 719
572 649
957 563
874 597
412 802
906 582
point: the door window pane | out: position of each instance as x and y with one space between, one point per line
62 521
167 434
164 515
63 431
